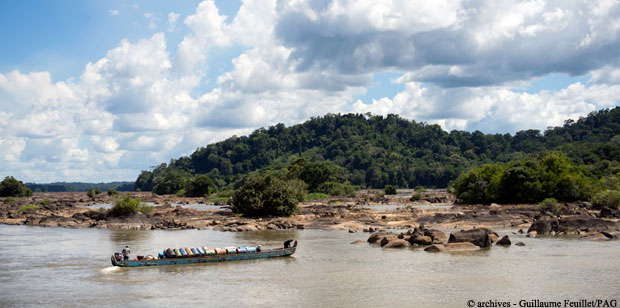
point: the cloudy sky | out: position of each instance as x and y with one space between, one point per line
99 90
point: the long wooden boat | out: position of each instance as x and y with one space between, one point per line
222 255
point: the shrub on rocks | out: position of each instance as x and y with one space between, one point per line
199 186
10 187
265 195
416 196
550 205
607 199
390 190
127 206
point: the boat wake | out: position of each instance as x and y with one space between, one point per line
109 269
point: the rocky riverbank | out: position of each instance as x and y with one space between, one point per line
365 212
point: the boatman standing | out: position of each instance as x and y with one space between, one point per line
126 253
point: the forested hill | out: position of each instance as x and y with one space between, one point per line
79 186
376 151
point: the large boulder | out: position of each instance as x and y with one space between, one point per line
421 240
610 213
397 243
376 237
544 226
387 239
586 223
479 237
504 241
573 225
437 236
462 246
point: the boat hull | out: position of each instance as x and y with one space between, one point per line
272 253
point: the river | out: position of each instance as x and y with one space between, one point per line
57 267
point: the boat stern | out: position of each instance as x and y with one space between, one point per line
114 262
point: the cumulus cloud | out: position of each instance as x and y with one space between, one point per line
493 109
455 43
145 102
172 21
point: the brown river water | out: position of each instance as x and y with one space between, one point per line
57 267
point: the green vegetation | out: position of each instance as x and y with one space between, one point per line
225 193
181 193
607 198
416 196
93 192
219 199
265 195
126 206
200 186
527 180
112 192
390 190
10 187
316 196
9 199
45 202
337 189
170 182
375 151
299 187
28 207
550 205
79 186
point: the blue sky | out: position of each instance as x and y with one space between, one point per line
99 90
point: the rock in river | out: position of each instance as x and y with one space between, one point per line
398 243
573 225
479 237
504 241
421 240
462 246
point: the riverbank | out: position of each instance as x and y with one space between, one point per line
365 212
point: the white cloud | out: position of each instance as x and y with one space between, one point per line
113 12
207 28
144 102
11 148
172 21
493 109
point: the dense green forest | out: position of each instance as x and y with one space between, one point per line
374 151
78 186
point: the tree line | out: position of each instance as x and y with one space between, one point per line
375 151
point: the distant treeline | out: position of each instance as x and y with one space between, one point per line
78 186
375 151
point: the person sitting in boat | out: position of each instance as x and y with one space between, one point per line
126 252
287 244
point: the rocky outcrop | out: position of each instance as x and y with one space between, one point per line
437 236
397 243
421 240
573 225
609 213
461 246
479 237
